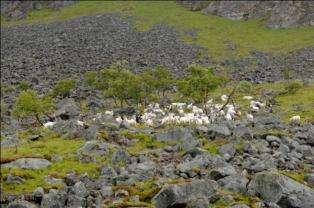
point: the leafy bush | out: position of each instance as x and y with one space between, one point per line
28 104
64 87
199 83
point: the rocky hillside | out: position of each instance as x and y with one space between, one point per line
276 14
103 161
15 10
121 104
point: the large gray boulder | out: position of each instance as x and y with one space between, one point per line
91 150
280 189
218 131
28 163
236 183
183 193
184 137
67 109
53 200
9 142
278 14
21 204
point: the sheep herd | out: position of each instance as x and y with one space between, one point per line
183 113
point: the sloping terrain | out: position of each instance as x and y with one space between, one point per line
117 139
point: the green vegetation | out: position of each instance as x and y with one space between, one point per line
247 36
46 147
199 83
143 142
64 87
28 104
213 146
146 190
24 85
125 87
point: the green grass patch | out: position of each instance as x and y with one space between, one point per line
143 143
213 146
46 147
246 36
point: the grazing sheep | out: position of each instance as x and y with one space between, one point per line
256 106
110 113
49 124
119 119
247 97
249 117
224 98
295 119
80 123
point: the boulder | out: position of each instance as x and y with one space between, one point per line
80 189
91 150
121 156
9 142
234 183
28 163
280 189
38 195
52 200
179 195
184 137
218 131
67 109
21 204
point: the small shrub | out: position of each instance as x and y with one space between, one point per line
28 104
200 83
64 88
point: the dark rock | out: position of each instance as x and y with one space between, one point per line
80 189
218 131
180 195
38 195
184 137
280 189
67 109
52 200
234 183
121 156
91 150
227 151
74 201
71 179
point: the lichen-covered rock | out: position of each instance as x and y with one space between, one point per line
184 137
21 204
183 193
28 163
280 189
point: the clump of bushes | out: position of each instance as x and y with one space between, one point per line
64 87
125 87
29 104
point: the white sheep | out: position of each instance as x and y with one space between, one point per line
110 113
224 98
256 106
119 120
249 117
295 119
80 123
49 124
247 97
